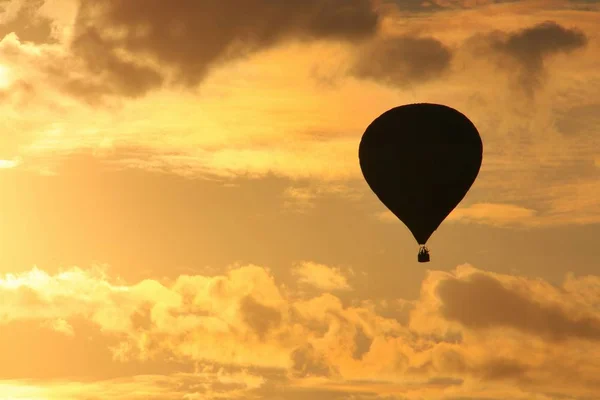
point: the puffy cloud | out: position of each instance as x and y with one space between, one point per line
61 325
510 328
307 362
472 331
260 318
481 302
321 276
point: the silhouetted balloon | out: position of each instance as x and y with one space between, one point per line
421 160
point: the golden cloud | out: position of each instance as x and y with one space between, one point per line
494 214
469 331
321 276
297 127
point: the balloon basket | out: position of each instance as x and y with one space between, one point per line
423 255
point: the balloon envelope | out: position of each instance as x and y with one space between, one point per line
421 160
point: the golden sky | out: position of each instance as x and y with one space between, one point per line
182 213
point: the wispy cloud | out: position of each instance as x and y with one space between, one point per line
494 214
321 276
6 164
298 128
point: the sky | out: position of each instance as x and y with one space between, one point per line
183 215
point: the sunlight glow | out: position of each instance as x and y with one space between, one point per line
5 77
7 164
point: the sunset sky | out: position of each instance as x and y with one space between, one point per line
183 215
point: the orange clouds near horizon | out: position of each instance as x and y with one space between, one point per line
470 331
198 161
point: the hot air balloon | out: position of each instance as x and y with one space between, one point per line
420 160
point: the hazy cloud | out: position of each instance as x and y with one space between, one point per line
579 120
531 47
505 215
23 18
465 3
190 39
494 214
402 60
129 78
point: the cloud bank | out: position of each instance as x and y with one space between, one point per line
248 330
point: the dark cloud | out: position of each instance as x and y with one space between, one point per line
28 25
500 369
128 78
141 318
443 381
462 4
189 37
529 47
362 344
483 302
402 60
307 362
430 6
262 319
452 361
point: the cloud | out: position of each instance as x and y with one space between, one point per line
126 78
63 326
302 198
23 18
307 362
528 321
568 203
297 128
579 120
207 383
575 202
465 3
501 215
480 301
6 164
321 276
260 318
243 334
531 47
192 38
402 60
494 214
